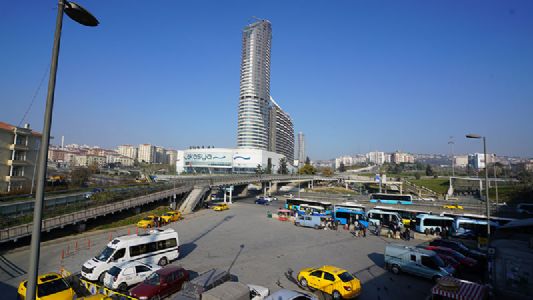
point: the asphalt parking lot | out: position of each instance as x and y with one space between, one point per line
257 249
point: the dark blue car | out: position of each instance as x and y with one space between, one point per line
262 201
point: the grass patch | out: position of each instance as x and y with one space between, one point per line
438 185
132 220
332 190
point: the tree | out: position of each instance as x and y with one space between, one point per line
80 176
307 161
307 169
342 168
283 166
417 176
429 170
327 171
259 169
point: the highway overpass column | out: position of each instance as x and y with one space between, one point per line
224 195
401 188
230 194
270 188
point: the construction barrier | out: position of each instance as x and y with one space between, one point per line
94 288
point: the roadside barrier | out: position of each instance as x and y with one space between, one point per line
94 288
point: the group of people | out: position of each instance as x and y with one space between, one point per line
359 230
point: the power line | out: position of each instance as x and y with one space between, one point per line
34 96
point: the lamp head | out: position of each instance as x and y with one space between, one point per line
80 14
473 136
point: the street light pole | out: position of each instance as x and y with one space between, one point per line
80 15
451 143
43 158
487 201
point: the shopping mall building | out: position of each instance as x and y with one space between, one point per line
226 161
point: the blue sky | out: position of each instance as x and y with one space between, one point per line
355 76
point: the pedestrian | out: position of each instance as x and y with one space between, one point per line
156 222
364 231
356 228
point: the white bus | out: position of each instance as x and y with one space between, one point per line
383 218
466 227
426 223
157 246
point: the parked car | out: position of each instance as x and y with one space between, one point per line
262 201
161 283
465 262
220 207
193 289
49 286
453 206
525 208
417 261
285 294
461 248
127 274
258 292
331 280
147 222
316 222
171 216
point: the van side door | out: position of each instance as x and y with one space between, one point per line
118 256
411 263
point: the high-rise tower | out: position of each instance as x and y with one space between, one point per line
254 101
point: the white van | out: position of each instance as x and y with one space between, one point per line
156 247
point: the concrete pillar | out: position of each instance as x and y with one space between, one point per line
346 185
264 190
224 195
81 227
269 188
230 195
401 188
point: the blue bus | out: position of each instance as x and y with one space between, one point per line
347 215
391 198
299 205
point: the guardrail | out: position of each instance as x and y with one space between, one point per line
20 231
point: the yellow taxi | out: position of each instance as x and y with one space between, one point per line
50 286
453 206
331 280
220 207
171 216
147 222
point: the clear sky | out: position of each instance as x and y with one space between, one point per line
355 76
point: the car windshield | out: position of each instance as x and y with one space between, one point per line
51 287
438 261
153 279
106 253
345 277
457 255
147 219
114 271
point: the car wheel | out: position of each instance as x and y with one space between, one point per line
336 295
316 227
123 287
101 278
395 269
163 261
303 282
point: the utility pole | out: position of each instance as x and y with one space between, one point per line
451 143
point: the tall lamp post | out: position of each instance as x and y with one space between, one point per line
451 143
476 136
82 16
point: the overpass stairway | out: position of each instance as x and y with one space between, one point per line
193 199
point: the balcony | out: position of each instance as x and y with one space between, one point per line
19 147
14 162
16 178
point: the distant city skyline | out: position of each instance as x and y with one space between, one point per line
355 76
